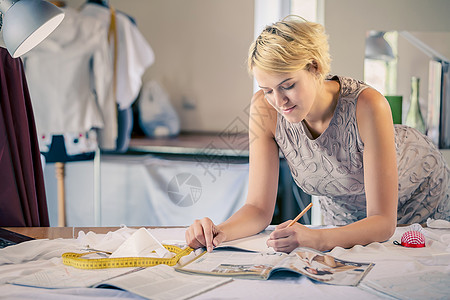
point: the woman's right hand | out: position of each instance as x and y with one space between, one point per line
204 233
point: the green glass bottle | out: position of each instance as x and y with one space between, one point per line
414 117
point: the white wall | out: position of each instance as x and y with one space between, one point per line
201 46
201 49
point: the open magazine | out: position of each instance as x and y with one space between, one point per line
261 265
160 282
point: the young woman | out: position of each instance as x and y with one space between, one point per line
339 140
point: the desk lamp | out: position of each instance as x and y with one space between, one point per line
26 23
377 47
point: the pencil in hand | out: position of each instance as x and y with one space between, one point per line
300 215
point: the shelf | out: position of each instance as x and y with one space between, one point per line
217 144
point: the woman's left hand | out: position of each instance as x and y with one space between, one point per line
286 239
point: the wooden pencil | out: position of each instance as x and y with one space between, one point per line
300 215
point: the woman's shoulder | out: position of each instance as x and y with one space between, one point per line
349 87
373 114
371 100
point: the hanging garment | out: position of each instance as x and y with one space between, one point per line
70 80
131 55
22 191
134 54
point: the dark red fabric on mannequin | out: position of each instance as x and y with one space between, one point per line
22 192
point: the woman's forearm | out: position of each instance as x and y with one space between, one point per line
371 229
248 220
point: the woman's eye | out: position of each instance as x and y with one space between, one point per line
289 87
267 92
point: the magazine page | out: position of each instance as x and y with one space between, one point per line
234 263
162 282
256 243
309 262
325 268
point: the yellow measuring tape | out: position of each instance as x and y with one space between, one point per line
76 259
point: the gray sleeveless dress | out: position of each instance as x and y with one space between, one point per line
331 166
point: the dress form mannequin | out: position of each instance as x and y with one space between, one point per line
57 154
66 145
95 14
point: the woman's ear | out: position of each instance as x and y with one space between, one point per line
313 67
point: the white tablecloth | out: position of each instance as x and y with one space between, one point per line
389 259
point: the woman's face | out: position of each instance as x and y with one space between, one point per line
291 94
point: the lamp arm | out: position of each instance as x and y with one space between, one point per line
423 47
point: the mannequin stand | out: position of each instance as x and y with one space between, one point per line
60 174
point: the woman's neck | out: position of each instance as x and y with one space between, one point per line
323 109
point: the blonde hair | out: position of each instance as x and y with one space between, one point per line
290 45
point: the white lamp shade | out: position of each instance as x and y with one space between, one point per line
27 23
377 47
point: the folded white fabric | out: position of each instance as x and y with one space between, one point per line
141 244
439 224
105 242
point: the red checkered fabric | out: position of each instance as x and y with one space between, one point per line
413 239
